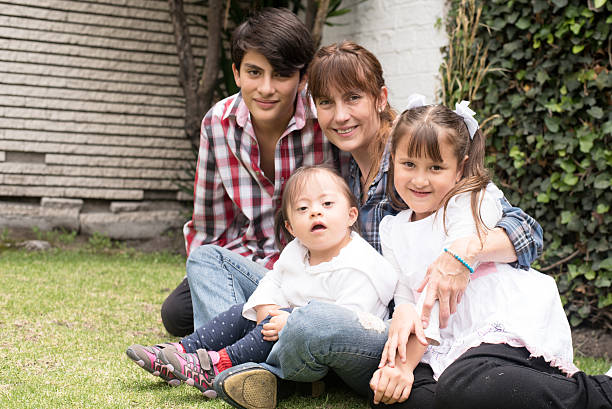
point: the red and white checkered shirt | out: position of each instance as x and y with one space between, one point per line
234 203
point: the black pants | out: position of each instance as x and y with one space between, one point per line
498 376
177 311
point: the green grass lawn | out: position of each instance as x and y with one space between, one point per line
67 316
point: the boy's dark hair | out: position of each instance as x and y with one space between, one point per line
278 35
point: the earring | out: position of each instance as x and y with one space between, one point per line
380 109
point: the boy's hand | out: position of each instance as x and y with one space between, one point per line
405 321
275 325
391 384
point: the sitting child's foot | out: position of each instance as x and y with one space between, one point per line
148 359
196 369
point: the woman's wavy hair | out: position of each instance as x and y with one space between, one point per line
294 185
426 126
346 67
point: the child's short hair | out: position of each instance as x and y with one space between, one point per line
294 185
278 35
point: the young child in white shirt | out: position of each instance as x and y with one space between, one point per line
326 261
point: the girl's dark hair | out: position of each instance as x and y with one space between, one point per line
425 126
347 67
294 185
278 35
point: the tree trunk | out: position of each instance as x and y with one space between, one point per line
317 28
198 92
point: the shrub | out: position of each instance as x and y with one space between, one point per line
548 95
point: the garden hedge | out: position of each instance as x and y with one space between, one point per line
548 95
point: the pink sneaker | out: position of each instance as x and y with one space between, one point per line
196 369
148 359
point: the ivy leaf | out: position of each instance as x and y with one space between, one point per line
602 208
601 182
542 76
577 48
552 123
560 3
599 3
543 198
604 302
523 23
570 179
596 112
566 216
606 264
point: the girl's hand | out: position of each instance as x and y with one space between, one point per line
448 279
391 385
275 325
404 322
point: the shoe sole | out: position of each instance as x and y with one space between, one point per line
251 389
141 363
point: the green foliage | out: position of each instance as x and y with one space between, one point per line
550 143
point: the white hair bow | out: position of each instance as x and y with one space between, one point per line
461 109
415 101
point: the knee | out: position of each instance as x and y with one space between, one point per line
176 311
202 256
464 388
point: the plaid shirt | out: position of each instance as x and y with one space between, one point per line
234 202
523 231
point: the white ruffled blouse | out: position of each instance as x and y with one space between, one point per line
501 304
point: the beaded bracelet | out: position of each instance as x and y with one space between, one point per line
460 260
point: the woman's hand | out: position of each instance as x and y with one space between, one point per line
391 384
272 328
448 279
405 321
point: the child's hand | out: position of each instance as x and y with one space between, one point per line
391 385
275 325
405 321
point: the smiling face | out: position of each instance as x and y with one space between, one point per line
350 119
269 96
421 181
321 217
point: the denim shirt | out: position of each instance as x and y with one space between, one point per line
523 231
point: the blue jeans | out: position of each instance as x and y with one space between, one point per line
316 338
218 279
322 336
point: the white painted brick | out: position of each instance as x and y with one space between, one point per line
402 35
2 156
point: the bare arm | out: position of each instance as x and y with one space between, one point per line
262 311
392 384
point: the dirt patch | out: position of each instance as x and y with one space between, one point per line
592 342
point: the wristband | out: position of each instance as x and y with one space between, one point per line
460 260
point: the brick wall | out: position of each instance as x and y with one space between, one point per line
91 116
402 35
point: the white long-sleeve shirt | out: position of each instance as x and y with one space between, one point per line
358 278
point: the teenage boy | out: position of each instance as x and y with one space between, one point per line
250 144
